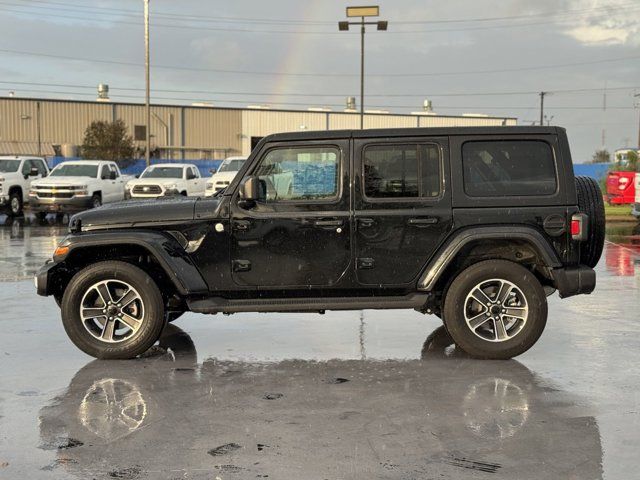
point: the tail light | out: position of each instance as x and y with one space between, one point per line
579 227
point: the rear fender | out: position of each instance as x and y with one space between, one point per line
448 252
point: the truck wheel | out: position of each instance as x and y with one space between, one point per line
113 310
96 201
15 203
495 309
590 202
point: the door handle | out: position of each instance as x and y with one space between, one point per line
242 225
364 222
422 221
327 223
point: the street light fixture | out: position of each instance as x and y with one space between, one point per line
381 25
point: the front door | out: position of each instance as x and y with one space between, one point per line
402 207
298 233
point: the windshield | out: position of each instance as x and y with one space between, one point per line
231 165
75 170
162 172
9 166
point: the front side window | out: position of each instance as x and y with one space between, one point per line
498 168
162 172
301 173
75 170
231 165
401 171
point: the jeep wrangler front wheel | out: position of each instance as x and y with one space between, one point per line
495 309
113 310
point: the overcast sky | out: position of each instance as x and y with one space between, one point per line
289 54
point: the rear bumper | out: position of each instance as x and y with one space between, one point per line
74 204
574 280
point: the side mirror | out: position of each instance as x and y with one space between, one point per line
34 172
137 175
250 189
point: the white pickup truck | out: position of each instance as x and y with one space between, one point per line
166 179
224 175
16 176
77 185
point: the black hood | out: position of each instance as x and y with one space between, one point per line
140 213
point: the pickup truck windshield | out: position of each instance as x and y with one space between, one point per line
231 166
162 172
9 166
75 170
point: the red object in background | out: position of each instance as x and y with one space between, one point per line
621 188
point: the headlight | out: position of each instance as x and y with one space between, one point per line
1 179
172 186
209 186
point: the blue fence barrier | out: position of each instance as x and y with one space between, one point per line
594 170
205 166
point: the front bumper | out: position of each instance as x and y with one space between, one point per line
73 204
41 278
574 280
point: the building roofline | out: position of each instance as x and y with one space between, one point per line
246 109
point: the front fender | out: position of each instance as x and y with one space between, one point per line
173 259
447 253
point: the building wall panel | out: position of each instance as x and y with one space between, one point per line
217 128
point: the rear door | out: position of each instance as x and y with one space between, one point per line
402 207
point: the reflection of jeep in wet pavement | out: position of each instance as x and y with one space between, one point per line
475 225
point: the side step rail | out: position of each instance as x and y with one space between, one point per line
224 305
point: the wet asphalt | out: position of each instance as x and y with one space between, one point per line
346 395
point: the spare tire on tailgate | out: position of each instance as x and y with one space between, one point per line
590 202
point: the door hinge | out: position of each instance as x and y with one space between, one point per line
365 263
241 265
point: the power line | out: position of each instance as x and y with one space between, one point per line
451 107
175 15
255 31
323 74
323 95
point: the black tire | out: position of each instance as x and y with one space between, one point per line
152 322
15 204
522 339
590 202
96 200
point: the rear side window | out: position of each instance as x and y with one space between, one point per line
499 168
401 171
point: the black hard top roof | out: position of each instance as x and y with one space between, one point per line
413 132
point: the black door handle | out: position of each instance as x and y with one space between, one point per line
422 221
328 223
364 222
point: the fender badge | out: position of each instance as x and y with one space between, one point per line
219 227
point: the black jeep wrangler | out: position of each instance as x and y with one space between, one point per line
475 225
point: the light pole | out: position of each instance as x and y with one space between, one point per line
637 95
381 25
147 153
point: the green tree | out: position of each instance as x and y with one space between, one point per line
108 141
601 156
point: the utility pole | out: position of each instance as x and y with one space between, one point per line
362 12
147 104
637 95
542 94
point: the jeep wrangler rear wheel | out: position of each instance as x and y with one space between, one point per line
113 310
495 309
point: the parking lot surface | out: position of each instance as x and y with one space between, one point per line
346 395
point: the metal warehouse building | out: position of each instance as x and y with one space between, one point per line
56 127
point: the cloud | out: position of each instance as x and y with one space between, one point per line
611 23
